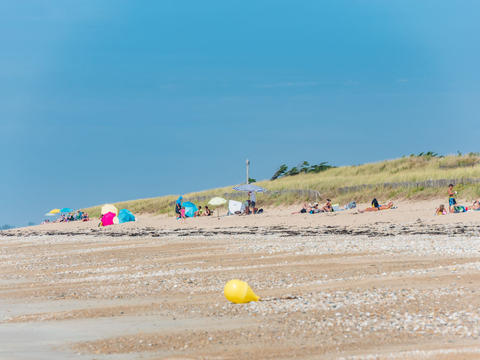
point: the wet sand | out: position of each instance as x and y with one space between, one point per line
399 284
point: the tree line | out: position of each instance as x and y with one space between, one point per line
302 168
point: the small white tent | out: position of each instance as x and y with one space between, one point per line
235 207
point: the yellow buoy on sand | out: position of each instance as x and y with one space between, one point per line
239 292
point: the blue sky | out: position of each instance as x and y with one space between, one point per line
109 100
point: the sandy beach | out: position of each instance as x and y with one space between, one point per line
397 284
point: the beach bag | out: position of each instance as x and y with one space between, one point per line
375 203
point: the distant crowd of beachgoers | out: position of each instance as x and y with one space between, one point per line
73 216
248 207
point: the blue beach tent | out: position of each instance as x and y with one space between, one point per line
125 215
190 208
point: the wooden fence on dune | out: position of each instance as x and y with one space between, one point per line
311 194
439 183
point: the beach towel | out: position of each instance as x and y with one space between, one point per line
336 207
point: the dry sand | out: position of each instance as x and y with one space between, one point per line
397 284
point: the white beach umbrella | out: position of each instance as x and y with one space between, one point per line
109 208
217 201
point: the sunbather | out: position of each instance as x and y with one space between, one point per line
208 212
441 210
376 206
328 206
458 209
476 205
303 210
315 209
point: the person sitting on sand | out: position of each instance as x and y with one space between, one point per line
208 212
377 207
85 217
476 205
441 210
328 206
198 212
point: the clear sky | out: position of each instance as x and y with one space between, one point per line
109 100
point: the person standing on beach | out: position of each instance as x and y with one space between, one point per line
178 207
253 200
451 198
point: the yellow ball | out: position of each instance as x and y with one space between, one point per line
239 292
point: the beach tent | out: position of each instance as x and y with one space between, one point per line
109 208
125 215
108 218
66 210
234 206
190 208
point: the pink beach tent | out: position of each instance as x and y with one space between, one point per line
107 219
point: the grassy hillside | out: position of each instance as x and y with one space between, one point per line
393 179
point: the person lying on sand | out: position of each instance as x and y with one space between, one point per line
377 207
441 210
314 209
458 209
306 208
476 205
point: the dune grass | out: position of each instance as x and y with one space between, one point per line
332 183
